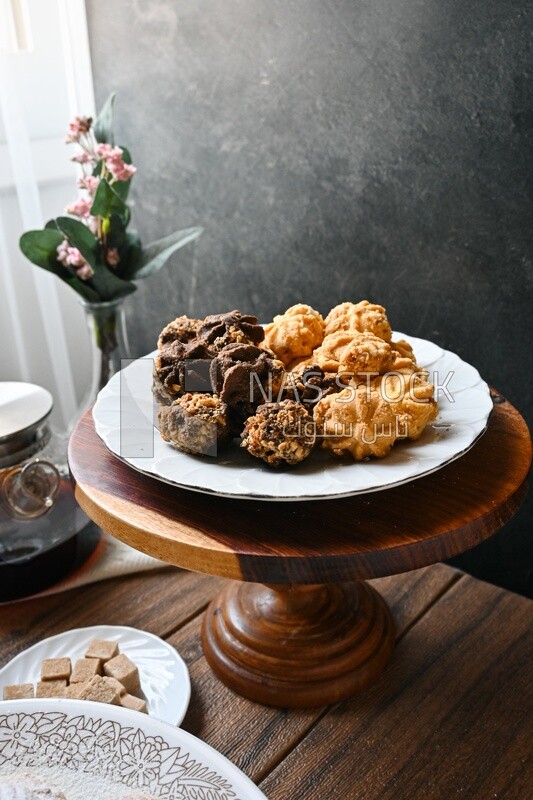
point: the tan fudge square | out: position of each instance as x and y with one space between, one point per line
125 672
55 669
116 685
85 669
135 703
73 692
102 649
99 691
18 691
51 689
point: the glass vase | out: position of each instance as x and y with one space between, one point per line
106 323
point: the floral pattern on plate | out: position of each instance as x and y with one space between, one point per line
115 747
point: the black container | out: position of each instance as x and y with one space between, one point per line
44 534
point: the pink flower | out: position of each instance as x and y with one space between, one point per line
62 251
108 151
71 257
112 257
85 272
114 161
89 182
74 258
81 208
81 158
77 128
121 171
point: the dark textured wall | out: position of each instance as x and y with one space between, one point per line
334 150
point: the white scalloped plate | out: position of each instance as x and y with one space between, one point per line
164 675
107 753
320 477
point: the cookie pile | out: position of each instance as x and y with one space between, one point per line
302 381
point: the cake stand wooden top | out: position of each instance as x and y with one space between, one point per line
365 536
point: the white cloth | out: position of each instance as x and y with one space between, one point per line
110 559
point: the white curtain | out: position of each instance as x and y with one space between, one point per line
43 51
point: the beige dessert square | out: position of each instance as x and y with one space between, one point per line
125 672
101 692
116 685
18 691
55 669
135 703
74 691
85 669
102 649
51 688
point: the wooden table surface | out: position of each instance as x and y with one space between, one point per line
449 718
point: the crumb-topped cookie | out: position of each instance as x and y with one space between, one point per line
280 433
195 423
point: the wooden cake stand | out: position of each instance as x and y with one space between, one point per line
298 625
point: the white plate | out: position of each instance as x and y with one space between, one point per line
235 474
164 675
106 752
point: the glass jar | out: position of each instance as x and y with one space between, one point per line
39 517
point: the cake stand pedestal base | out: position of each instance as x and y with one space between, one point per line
297 645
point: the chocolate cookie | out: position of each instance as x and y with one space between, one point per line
182 329
308 383
220 330
195 423
245 376
181 367
280 433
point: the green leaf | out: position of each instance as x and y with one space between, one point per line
40 247
108 285
81 287
117 231
51 225
107 201
122 189
131 256
103 125
81 237
126 155
157 254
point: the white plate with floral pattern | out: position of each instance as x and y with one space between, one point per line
108 753
164 675
124 413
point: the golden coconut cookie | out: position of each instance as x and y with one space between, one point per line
404 359
353 352
295 334
411 397
363 316
358 421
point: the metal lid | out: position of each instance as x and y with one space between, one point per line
22 405
24 408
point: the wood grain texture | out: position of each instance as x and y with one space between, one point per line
158 602
256 737
297 646
450 718
366 536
